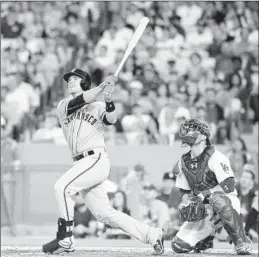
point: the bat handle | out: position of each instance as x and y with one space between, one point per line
116 74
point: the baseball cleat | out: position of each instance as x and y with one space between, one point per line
243 248
204 244
159 246
54 247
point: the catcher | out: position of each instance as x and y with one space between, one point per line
205 175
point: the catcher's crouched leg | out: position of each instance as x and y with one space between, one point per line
180 246
231 221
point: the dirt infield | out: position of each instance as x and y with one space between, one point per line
31 247
109 252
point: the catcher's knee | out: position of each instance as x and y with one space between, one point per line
180 246
220 202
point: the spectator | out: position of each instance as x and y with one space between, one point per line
132 185
248 195
11 28
150 78
201 114
196 70
155 211
102 58
119 203
50 131
8 110
254 98
10 159
239 156
134 126
201 37
214 111
169 194
193 94
85 222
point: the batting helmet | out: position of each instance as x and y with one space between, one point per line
191 129
86 80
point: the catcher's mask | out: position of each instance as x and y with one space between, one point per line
86 80
193 131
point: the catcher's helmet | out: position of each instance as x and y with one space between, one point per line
86 80
191 129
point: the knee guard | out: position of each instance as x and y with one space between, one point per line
229 217
62 228
180 246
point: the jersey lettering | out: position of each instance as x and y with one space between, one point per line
225 167
79 115
84 128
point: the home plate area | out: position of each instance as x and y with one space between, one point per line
112 248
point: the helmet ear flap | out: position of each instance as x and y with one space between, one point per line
85 83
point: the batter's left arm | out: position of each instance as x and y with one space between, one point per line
110 116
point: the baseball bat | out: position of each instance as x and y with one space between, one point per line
133 42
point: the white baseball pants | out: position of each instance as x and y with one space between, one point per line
88 174
194 232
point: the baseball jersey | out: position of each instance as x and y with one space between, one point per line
84 128
217 163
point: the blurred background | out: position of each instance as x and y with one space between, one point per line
195 60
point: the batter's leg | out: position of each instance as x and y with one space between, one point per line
86 173
83 174
97 201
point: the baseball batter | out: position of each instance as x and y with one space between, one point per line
82 119
205 174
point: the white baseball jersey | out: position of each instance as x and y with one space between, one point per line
194 232
83 129
218 163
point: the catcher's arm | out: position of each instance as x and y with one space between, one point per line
220 165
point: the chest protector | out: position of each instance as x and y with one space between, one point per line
197 172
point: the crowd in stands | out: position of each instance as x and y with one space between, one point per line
194 60
197 59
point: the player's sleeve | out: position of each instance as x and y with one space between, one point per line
101 110
102 113
62 109
220 165
181 180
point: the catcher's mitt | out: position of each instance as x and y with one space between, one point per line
194 211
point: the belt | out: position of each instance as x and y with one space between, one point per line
82 155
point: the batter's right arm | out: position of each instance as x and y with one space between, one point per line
92 94
88 96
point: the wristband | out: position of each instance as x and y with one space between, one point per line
110 107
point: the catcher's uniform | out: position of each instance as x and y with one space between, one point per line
206 171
